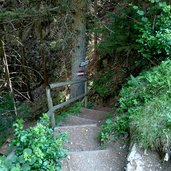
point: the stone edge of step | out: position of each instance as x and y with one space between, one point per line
76 126
88 152
92 110
79 117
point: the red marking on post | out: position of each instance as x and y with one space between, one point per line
81 73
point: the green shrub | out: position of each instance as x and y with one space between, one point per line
151 126
145 100
154 31
113 128
36 148
145 87
145 109
139 30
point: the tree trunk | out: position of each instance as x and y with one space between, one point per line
95 34
79 44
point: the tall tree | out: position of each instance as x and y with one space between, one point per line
79 44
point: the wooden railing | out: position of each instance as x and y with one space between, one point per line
52 108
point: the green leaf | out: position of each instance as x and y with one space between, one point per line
28 151
135 7
3 168
144 19
140 12
15 169
26 167
14 158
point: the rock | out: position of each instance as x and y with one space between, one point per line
138 161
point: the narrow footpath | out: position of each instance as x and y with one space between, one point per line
85 151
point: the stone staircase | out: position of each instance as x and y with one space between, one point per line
85 152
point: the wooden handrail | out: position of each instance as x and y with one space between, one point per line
61 84
52 108
59 106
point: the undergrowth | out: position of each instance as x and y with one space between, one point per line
36 148
151 125
145 109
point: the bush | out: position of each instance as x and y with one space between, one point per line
146 101
36 148
139 29
145 109
154 31
151 126
113 128
145 87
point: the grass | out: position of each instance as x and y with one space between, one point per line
152 128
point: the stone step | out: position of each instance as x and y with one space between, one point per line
93 114
106 109
76 120
100 160
81 137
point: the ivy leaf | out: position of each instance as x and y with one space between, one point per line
140 12
135 7
28 151
144 19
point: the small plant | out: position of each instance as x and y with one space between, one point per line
106 131
36 148
113 128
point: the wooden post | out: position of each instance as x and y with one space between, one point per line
86 91
50 106
53 124
49 98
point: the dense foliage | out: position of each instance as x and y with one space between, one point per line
145 108
137 29
142 89
154 31
36 148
